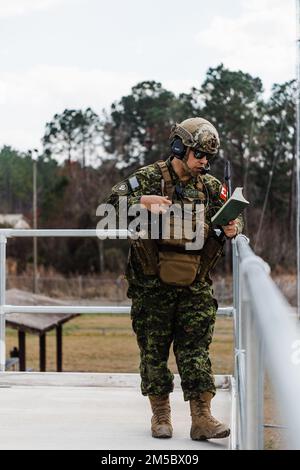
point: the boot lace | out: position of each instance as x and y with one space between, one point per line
203 409
161 412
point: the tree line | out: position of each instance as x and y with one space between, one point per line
85 154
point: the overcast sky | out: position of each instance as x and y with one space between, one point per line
56 54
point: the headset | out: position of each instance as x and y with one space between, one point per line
179 150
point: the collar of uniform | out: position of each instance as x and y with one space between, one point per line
196 181
175 177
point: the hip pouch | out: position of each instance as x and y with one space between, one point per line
178 269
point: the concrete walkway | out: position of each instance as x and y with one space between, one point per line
92 411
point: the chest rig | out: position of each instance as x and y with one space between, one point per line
179 258
168 258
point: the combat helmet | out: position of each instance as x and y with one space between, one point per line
196 133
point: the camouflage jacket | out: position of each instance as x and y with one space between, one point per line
147 181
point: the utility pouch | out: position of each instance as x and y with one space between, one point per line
178 269
211 252
146 252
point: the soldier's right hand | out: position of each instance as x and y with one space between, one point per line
156 204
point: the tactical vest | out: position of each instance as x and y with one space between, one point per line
176 265
168 258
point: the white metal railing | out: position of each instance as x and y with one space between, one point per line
267 335
5 309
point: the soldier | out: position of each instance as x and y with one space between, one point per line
170 286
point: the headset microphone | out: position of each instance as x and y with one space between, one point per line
205 169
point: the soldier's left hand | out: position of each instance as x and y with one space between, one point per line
230 230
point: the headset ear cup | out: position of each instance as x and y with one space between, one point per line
178 148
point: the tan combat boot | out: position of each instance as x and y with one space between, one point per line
204 425
161 420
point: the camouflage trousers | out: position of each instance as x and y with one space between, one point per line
184 317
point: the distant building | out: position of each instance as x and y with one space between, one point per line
17 221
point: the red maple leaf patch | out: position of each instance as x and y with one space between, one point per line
224 193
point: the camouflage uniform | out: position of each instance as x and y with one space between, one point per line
161 313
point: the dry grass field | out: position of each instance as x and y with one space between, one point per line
107 344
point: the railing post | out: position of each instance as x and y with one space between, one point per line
253 438
239 353
236 296
254 383
2 300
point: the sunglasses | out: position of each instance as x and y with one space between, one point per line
200 154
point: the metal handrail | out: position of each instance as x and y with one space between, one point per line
258 304
8 233
266 336
69 309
